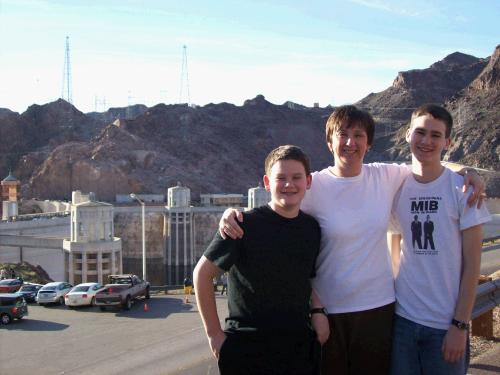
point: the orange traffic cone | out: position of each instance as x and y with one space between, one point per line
146 308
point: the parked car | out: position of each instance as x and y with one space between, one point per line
53 293
82 295
29 291
121 291
10 285
12 306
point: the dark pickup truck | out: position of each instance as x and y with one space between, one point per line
121 291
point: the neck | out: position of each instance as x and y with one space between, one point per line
342 171
425 173
287 212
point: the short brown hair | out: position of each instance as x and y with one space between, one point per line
350 116
437 112
287 152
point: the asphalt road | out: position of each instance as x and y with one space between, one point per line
167 339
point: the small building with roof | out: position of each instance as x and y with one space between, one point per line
10 196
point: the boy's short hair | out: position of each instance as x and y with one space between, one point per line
349 116
437 112
287 152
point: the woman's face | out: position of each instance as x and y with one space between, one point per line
349 146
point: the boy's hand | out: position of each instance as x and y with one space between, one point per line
228 225
321 326
454 344
471 177
216 342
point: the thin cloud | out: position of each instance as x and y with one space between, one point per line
387 7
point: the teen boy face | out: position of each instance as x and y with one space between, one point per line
287 182
427 138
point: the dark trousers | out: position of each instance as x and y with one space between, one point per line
359 342
249 353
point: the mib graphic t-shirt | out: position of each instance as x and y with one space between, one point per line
430 218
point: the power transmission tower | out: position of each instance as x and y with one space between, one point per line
67 89
184 91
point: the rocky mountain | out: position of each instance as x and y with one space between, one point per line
221 147
476 130
215 148
27 139
129 112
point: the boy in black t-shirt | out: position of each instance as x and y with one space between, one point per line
268 330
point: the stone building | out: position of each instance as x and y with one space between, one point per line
258 196
93 252
180 255
226 200
10 195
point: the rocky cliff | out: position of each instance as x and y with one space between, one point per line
215 148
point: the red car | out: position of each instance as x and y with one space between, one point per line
10 285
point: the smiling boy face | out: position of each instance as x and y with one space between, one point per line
287 181
427 139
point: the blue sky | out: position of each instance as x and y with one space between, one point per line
127 52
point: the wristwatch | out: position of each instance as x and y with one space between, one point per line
318 310
460 325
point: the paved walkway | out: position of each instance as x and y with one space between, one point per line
487 363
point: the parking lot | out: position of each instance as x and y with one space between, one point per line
166 339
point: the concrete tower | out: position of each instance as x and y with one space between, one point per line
180 255
93 252
11 194
258 196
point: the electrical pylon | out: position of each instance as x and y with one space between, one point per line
67 87
184 91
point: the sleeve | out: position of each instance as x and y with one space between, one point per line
471 216
395 174
394 224
223 253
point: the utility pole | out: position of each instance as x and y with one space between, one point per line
67 89
184 91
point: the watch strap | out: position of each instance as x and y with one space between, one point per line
460 324
318 310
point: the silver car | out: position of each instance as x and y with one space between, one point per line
53 293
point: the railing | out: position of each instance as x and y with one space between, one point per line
28 217
487 297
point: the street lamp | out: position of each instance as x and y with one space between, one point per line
143 206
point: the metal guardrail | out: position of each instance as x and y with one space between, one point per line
491 239
487 297
28 217
165 288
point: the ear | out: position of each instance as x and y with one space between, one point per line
447 143
266 181
408 135
309 181
330 147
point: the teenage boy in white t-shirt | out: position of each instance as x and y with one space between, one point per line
435 283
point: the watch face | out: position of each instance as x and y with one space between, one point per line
459 324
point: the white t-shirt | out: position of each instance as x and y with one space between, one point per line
353 268
428 281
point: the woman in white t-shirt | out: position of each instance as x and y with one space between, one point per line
354 283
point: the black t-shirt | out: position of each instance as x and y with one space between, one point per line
269 271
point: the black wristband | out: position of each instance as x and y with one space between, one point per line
460 325
318 310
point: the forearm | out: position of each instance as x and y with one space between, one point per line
395 251
205 298
471 244
315 300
